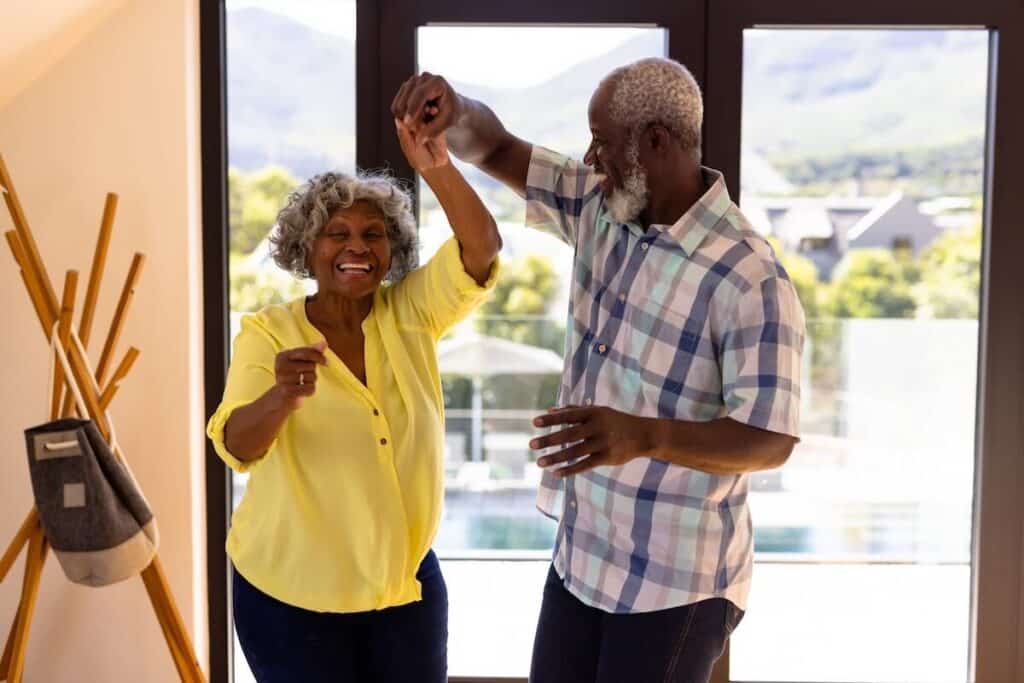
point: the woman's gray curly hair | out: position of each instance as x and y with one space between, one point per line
310 207
657 90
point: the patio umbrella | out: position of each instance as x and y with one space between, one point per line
479 355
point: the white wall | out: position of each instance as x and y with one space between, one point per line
118 113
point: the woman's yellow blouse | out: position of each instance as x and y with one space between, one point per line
345 504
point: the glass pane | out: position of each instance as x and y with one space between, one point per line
491 480
291 114
863 160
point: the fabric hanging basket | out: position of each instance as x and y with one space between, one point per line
95 517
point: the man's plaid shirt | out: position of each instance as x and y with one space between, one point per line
692 321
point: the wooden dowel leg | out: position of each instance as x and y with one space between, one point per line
29 592
99 261
46 314
179 648
119 374
5 661
167 628
30 524
108 395
35 263
67 309
173 626
35 293
116 325
92 290
34 273
125 366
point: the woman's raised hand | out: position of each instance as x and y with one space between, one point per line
295 373
424 154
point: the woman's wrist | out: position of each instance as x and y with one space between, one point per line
439 175
278 402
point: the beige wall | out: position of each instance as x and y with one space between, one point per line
34 36
119 112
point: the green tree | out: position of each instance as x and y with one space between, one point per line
804 276
517 310
518 306
951 276
236 201
252 289
254 201
273 182
873 283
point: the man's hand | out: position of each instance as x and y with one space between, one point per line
427 154
600 436
427 105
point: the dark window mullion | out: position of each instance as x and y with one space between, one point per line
213 117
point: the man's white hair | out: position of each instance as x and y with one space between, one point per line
657 90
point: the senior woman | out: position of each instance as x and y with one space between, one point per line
333 405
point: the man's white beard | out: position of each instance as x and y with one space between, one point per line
625 203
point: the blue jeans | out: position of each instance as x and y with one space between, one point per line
284 643
576 643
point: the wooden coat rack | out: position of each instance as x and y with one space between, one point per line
50 311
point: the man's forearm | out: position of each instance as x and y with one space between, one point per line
477 134
478 137
721 446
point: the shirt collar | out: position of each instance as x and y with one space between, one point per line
693 226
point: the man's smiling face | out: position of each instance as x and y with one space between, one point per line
615 156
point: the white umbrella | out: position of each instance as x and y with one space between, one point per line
479 355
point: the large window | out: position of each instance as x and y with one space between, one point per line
863 161
868 144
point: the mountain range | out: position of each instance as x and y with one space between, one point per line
291 93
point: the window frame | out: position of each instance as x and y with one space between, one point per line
216 324
996 651
399 20
996 634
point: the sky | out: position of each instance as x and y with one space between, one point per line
444 49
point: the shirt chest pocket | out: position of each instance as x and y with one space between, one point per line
674 355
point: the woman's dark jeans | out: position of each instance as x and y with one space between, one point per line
576 643
283 643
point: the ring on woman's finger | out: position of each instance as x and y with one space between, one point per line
302 378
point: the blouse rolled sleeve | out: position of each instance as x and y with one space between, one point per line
443 292
250 375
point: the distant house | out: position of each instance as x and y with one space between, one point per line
824 228
759 177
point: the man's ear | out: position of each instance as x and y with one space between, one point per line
658 138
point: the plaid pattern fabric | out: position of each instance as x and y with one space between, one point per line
693 321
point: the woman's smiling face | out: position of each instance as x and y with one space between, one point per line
352 253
